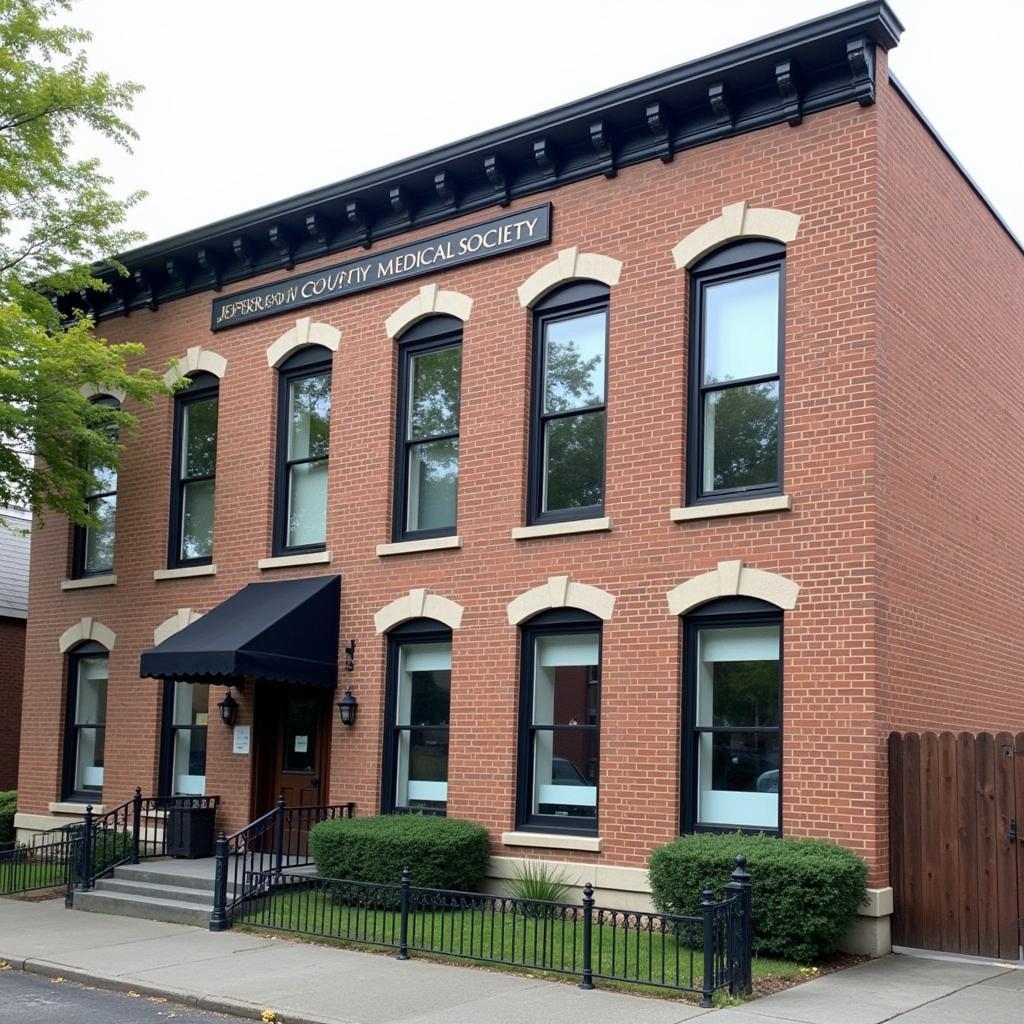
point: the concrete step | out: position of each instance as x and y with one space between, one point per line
167 873
159 891
130 905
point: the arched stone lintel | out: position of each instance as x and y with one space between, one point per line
733 579
197 359
305 332
738 220
175 624
91 391
419 603
85 629
561 592
428 301
569 265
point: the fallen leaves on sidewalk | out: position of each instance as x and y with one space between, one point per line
4 965
57 980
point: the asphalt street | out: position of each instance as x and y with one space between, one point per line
31 999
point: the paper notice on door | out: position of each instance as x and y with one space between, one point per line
202 718
301 744
241 740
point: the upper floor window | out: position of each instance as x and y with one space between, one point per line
303 428
735 406
194 463
567 435
559 722
427 455
416 712
85 731
732 758
93 553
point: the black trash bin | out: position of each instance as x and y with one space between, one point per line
189 831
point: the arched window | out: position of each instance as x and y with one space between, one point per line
734 436
93 547
427 434
416 710
559 722
86 720
567 426
303 429
732 700
193 472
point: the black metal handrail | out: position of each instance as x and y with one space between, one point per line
266 846
702 953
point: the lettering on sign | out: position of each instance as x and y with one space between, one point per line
505 234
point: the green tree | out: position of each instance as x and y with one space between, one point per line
57 219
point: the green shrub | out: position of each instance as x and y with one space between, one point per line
805 891
536 880
442 853
8 803
109 846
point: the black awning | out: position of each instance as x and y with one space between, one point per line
286 631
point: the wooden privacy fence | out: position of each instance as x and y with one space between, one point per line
956 860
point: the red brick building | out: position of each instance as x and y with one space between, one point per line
644 437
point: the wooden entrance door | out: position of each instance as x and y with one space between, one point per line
292 734
956 823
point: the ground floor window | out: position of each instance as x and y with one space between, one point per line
86 722
560 707
418 702
186 713
733 744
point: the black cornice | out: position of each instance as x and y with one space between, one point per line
778 78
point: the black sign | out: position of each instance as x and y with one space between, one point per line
492 238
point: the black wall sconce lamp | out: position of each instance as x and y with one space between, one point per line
350 655
347 708
228 709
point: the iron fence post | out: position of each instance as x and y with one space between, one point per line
707 906
136 823
219 916
739 886
403 924
87 848
279 837
587 980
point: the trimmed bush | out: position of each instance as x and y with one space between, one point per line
442 853
109 846
8 803
805 891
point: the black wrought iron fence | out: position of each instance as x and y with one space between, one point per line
75 855
276 841
703 953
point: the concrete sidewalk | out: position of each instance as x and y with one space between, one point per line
240 973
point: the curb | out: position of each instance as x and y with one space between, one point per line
113 983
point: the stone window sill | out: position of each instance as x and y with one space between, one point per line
552 841
285 561
89 581
185 572
562 529
748 506
411 547
75 808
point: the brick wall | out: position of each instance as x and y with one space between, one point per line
12 670
835 681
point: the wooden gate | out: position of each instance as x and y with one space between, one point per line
956 860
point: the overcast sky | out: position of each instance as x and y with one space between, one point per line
250 101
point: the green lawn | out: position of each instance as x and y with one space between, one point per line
548 946
20 876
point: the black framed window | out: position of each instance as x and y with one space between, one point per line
303 428
734 447
732 754
86 721
570 374
427 454
560 723
194 469
93 547
183 745
415 775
